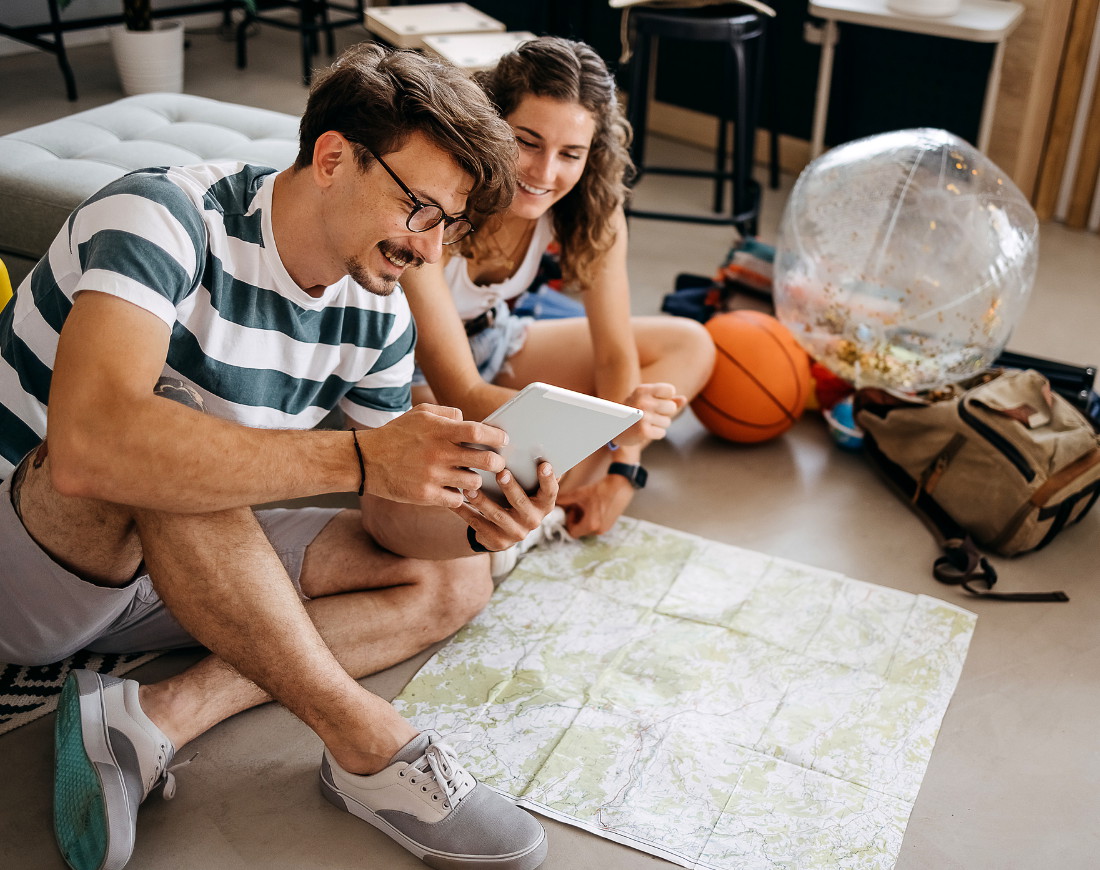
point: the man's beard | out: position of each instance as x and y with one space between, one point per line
377 284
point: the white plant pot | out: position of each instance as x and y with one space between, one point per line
149 61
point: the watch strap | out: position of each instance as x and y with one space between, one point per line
636 474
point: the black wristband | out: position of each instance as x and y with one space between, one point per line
475 544
362 469
636 474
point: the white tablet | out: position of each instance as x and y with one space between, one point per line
559 426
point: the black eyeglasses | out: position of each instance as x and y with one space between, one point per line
424 216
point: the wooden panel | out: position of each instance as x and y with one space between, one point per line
1065 107
1028 84
1084 184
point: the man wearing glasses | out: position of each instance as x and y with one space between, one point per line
188 329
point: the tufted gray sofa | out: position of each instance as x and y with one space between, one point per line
48 170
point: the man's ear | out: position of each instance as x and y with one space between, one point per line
330 152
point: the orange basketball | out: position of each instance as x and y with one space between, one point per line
761 378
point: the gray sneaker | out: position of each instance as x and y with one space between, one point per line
432 806
108 755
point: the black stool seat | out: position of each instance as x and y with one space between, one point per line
742 32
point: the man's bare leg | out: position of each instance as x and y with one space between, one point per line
224 583
371 608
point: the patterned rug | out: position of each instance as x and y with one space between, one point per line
28 693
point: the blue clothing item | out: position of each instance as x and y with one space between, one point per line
546 303
492 346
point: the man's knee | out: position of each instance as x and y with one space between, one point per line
459 592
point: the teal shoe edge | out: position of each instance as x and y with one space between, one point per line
79 815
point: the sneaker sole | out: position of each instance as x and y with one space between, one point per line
527 860
88 789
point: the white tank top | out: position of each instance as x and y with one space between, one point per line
473 299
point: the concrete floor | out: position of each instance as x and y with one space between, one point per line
1013 779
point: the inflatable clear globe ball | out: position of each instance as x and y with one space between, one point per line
904 260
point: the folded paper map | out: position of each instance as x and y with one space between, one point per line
711 705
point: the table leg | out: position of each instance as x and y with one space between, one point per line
985 127
824 81
59 50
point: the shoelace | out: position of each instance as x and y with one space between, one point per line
553 527
550 530
167 776
441 764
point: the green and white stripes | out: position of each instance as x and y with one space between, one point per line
194 247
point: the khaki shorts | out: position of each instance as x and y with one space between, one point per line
48 613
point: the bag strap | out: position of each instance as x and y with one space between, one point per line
961 564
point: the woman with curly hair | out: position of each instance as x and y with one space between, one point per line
473 352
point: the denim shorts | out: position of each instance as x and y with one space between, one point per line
47 613
491 347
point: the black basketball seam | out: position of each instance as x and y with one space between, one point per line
799 398
790 417
731 418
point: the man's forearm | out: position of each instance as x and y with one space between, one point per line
164 456
118 432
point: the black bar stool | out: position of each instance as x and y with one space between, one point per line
743 34
313 19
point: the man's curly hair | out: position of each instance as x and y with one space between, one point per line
381 97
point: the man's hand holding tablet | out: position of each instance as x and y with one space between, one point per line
559 426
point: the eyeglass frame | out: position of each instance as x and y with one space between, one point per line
444 218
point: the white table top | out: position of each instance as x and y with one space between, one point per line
474 51
976 21
406 26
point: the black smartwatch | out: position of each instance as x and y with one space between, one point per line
636 474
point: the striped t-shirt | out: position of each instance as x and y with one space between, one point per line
194 246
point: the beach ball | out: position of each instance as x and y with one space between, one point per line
904 260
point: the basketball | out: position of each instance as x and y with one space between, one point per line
761 378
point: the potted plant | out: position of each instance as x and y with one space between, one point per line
137 14
148 55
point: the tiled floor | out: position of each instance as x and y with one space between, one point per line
1013 779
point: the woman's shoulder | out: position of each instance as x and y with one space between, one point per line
544 230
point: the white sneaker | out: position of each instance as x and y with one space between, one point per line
552 528
108 756
431 805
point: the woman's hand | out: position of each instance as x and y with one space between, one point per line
660 404
593 509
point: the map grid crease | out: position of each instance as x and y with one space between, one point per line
707 704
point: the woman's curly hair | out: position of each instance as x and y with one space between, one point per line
562 69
